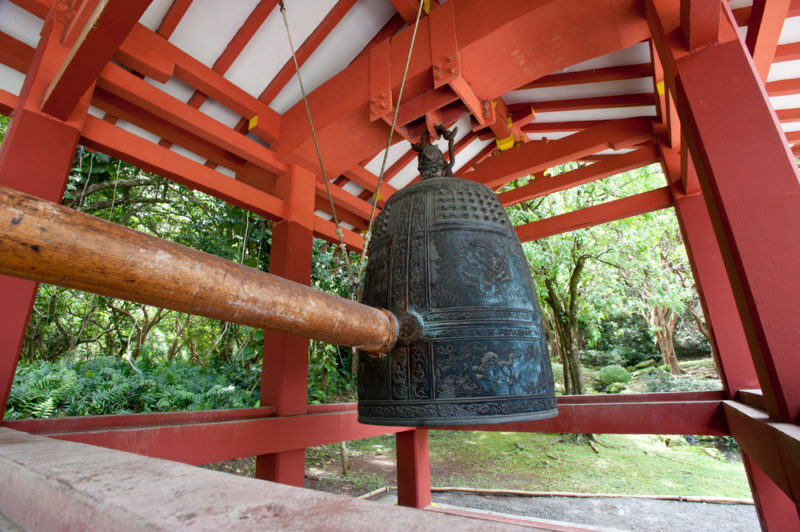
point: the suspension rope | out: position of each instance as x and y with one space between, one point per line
368 234
339 232
354 282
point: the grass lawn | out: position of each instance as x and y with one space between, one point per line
632 464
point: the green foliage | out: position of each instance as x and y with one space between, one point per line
658 380
106 385
624 339
609 375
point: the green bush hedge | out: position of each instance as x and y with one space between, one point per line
609 376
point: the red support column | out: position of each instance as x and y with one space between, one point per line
751 184
752 190
730 344
413 468
776 511
35 157
284 376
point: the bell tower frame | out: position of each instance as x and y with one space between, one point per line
730 168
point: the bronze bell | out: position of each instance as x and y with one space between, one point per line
445 259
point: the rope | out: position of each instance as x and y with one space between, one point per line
339 232
353 282
368 234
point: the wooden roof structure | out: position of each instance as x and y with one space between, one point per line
204 93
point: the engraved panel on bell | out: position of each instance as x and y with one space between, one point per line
445 259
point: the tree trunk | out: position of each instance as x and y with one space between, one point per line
566 328
664 320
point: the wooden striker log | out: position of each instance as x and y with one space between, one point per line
45 242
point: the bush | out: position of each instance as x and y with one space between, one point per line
625 340
659 380
108 385
599 359
611 375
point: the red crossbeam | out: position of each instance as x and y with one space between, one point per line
763 30
102 31
489 66
653 200
544 185
237 433
774 446
107 138
535 157
595 75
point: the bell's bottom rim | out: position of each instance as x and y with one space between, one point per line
457 421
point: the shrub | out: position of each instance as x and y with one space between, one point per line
599 359
610 375
659 380
627 337
108 385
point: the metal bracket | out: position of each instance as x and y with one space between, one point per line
446 63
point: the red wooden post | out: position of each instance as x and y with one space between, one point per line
730 344
35 157
734 139
776 511
284 376
752 190
413 468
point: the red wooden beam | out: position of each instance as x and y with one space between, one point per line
326 230
8 102
787 52
14 53
579 104
129 87
201 443
482 33
699 22
40 8
203 437
107 138
364 178
407 9
666 413
173 17
763 31
62 425
413 469
594 75
783 87
718 90
35 157
164 128
304 51
284 372
535 157
775 447
549 127
99 37
477 159
733 362
544 185
653 200
143 44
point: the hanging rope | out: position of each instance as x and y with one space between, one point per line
368 234
339 232
353 281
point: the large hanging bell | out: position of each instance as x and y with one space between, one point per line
445 259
